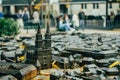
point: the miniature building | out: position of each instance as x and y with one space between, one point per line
42 51
17 70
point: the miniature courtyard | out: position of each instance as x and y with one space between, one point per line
75 56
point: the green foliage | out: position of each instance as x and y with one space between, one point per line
8 27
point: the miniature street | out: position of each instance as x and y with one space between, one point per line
86 55
88 61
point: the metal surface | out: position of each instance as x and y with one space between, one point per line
18 70
8 77
41 50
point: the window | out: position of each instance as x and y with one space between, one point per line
6 10
84 6
95 5
110 5
63 9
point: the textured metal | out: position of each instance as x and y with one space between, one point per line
47 39
88 60
103 63
41 53
112 71
86 48
28 72
18 70
8 77
38 45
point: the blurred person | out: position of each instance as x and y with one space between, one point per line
64 26
81 16
36 17
1 14
20 21
19 18
75 20
66 18
26 15
104 21
112 16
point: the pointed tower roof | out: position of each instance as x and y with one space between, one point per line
48 28
39 29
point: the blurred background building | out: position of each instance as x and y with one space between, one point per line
90 7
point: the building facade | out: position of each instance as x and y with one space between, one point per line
90 7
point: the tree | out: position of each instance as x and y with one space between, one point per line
8 27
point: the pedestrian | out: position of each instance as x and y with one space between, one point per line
75 21
36 17
64 26
112 16
81 16
26 15
1 14
19 18
67 20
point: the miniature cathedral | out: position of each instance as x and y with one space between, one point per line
43 48
42 55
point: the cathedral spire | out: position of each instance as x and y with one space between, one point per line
39 30
48 28
38 41
47 41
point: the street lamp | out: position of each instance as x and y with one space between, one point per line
30 3
29 6
107 1
106 24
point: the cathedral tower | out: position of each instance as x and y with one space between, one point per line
47 48
43 48
42 55
38 46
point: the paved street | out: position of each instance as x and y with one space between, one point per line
116 31
32 32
